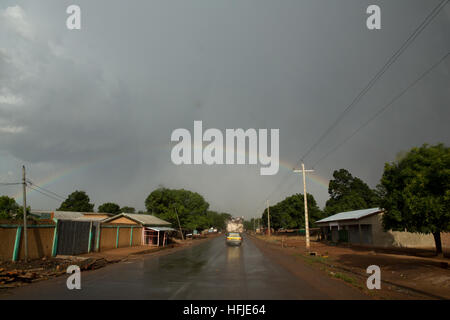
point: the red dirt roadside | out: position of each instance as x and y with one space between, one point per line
402 276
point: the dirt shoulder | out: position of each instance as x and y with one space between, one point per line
402 276
290 261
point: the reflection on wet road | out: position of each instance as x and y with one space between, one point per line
210 270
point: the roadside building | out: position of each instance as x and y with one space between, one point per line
52 233
146 229
76 232
365 227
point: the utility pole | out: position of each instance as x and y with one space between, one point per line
179 225
268 217
303 171
25 233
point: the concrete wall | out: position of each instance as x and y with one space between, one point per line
137 236
7 240
107 238
124 237
396 238
40 242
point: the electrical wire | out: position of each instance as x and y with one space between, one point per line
428 19
46 190
387 106
45 194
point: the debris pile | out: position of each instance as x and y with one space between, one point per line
15 274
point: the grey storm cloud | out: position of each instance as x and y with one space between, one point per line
99 104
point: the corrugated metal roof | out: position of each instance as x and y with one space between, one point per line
61 215
162 228
87 218
350 215
69 215
98 213
145 219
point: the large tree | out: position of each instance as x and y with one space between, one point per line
109 207
77 201
9 208
416 192
290 213
349 193
190 206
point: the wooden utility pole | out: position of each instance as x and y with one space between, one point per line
268 218
179 225
25 233
305 198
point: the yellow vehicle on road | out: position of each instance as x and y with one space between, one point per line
234 239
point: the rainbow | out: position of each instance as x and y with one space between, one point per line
317 179
83 165
60 174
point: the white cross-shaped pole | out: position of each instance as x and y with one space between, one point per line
303 171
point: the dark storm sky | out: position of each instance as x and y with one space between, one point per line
94 109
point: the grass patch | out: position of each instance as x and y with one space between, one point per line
325 264
312 259
346 278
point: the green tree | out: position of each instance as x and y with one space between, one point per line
217 220
290 213
77 201
190 206
128 209
349 193
249 224
9 208
109 207
416 192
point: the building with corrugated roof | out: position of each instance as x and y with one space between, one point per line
154 231
365 227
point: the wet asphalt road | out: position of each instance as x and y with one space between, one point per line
210 270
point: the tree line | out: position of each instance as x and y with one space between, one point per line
192 209
414 192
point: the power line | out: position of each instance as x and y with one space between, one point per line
46 190
429 18
9 183
45 194
398 96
